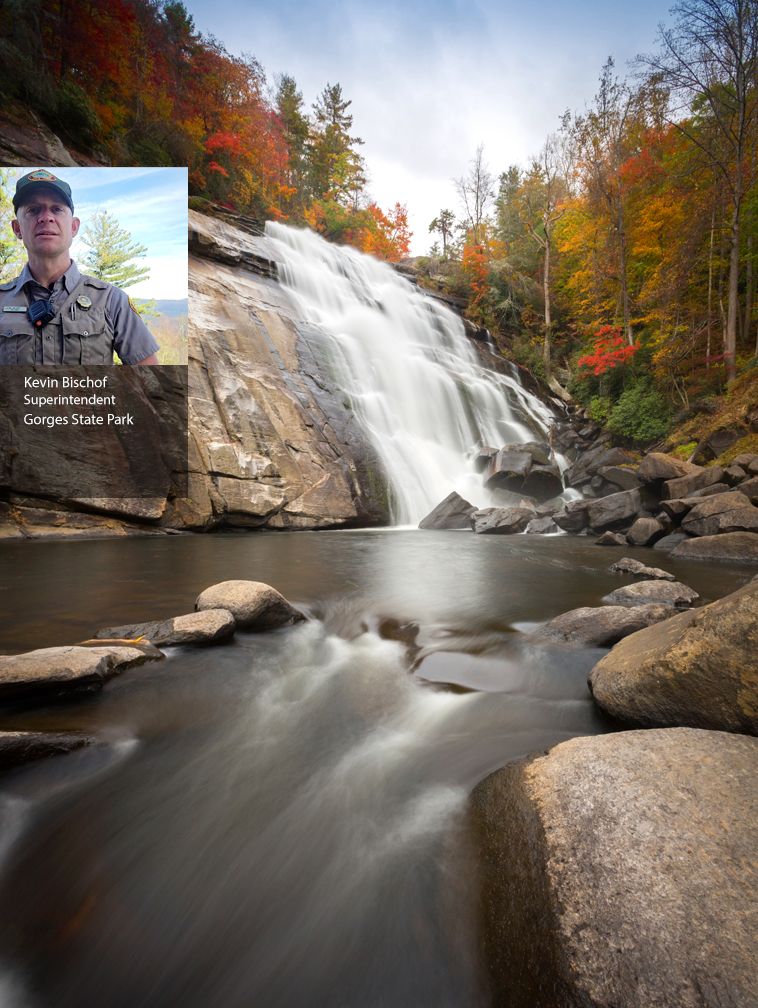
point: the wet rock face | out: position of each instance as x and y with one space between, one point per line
274 444
254 605
620 871
697 669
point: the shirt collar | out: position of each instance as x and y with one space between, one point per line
70 278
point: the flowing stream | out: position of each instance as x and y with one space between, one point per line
279 822
409 371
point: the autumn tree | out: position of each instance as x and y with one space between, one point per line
12 252
111 251
709 62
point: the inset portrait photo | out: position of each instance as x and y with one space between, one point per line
93 266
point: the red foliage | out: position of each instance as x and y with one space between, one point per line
609 350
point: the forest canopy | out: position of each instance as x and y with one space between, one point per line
132 82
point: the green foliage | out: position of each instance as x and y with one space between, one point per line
76 115
598 408
641 413
111 248
12 252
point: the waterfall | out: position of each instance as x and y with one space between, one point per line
410 374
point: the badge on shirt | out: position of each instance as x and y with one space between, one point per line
15 307
133 308
84 301
42 176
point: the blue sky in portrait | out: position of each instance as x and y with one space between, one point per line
150 203
429 81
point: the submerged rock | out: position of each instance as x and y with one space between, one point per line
602 626
208 627
669 543
697 669
642 592
17 748
452 513
619 871
628 566
60 669
254 605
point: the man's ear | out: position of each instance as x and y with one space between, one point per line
16 228
75 225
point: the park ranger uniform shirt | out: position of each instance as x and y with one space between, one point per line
92 319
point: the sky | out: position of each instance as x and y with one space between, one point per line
150 203
429 81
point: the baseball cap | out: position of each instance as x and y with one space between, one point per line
42 179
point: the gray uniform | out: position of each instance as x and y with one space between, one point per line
80 333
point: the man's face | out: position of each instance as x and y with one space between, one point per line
45 224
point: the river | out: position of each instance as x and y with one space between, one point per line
277 822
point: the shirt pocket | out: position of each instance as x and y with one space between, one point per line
18 339
86 339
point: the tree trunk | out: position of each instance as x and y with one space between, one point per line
730 341
546 289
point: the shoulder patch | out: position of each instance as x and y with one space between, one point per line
94 282
131 305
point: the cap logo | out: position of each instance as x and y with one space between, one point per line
42 176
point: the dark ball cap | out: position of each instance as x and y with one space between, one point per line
42 179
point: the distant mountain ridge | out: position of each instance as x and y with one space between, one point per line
171 309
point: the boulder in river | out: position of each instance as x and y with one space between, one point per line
601 626
613 511
645 532
452 513
508 469
254 605
611 539
501 521
697 669
626 565
540 526
61 669
655 590
619 871
669 542
208 627
19 747
734 547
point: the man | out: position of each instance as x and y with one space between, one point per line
52 313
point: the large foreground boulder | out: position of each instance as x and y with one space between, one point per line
736 547
452 513
63 669
699 668
19 747
602 626
621 871
199 628
254 605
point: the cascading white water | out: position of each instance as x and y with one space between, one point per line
409 371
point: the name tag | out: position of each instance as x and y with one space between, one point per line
15 307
